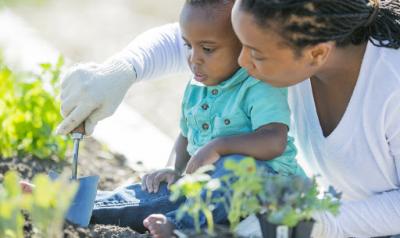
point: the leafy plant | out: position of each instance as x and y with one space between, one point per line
47 205
29 113
287 200
191 186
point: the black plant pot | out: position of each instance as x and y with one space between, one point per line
269 230
303 229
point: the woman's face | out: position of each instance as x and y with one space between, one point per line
265 54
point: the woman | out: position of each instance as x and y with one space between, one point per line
347 115
341 60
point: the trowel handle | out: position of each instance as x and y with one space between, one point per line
77 135
80 129
78 132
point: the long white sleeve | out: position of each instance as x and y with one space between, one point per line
156 52
378 215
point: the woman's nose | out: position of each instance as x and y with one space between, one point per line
244 59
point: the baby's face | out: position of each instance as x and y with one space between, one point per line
213 48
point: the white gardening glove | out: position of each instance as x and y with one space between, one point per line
91 92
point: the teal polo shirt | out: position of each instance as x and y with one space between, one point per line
236 106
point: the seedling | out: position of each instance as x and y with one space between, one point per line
191 186
245 183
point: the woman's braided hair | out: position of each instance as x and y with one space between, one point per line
309 22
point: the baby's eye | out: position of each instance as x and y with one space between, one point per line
187 46
208 50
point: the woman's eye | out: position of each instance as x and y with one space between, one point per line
187 46
258 59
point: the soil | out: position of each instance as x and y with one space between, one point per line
93 160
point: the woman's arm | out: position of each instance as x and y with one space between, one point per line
156 52
91 92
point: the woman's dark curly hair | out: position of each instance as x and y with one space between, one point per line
309 22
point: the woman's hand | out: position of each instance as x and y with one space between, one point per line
151 181
208 154
91 92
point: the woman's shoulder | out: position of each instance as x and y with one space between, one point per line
381 72
388 64
381 85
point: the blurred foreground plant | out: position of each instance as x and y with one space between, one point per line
11 202
47 205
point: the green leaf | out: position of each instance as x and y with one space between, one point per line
11 184
45 66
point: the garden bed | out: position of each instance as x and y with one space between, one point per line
93 160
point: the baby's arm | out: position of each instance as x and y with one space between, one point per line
267 142
170 174
179 154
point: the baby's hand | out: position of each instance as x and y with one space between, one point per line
205 155
151 181
26 187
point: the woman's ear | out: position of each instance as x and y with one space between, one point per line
318 54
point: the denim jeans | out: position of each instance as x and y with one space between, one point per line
130 205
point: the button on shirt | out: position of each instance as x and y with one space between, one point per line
236 106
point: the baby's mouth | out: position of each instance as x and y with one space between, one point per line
200 77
